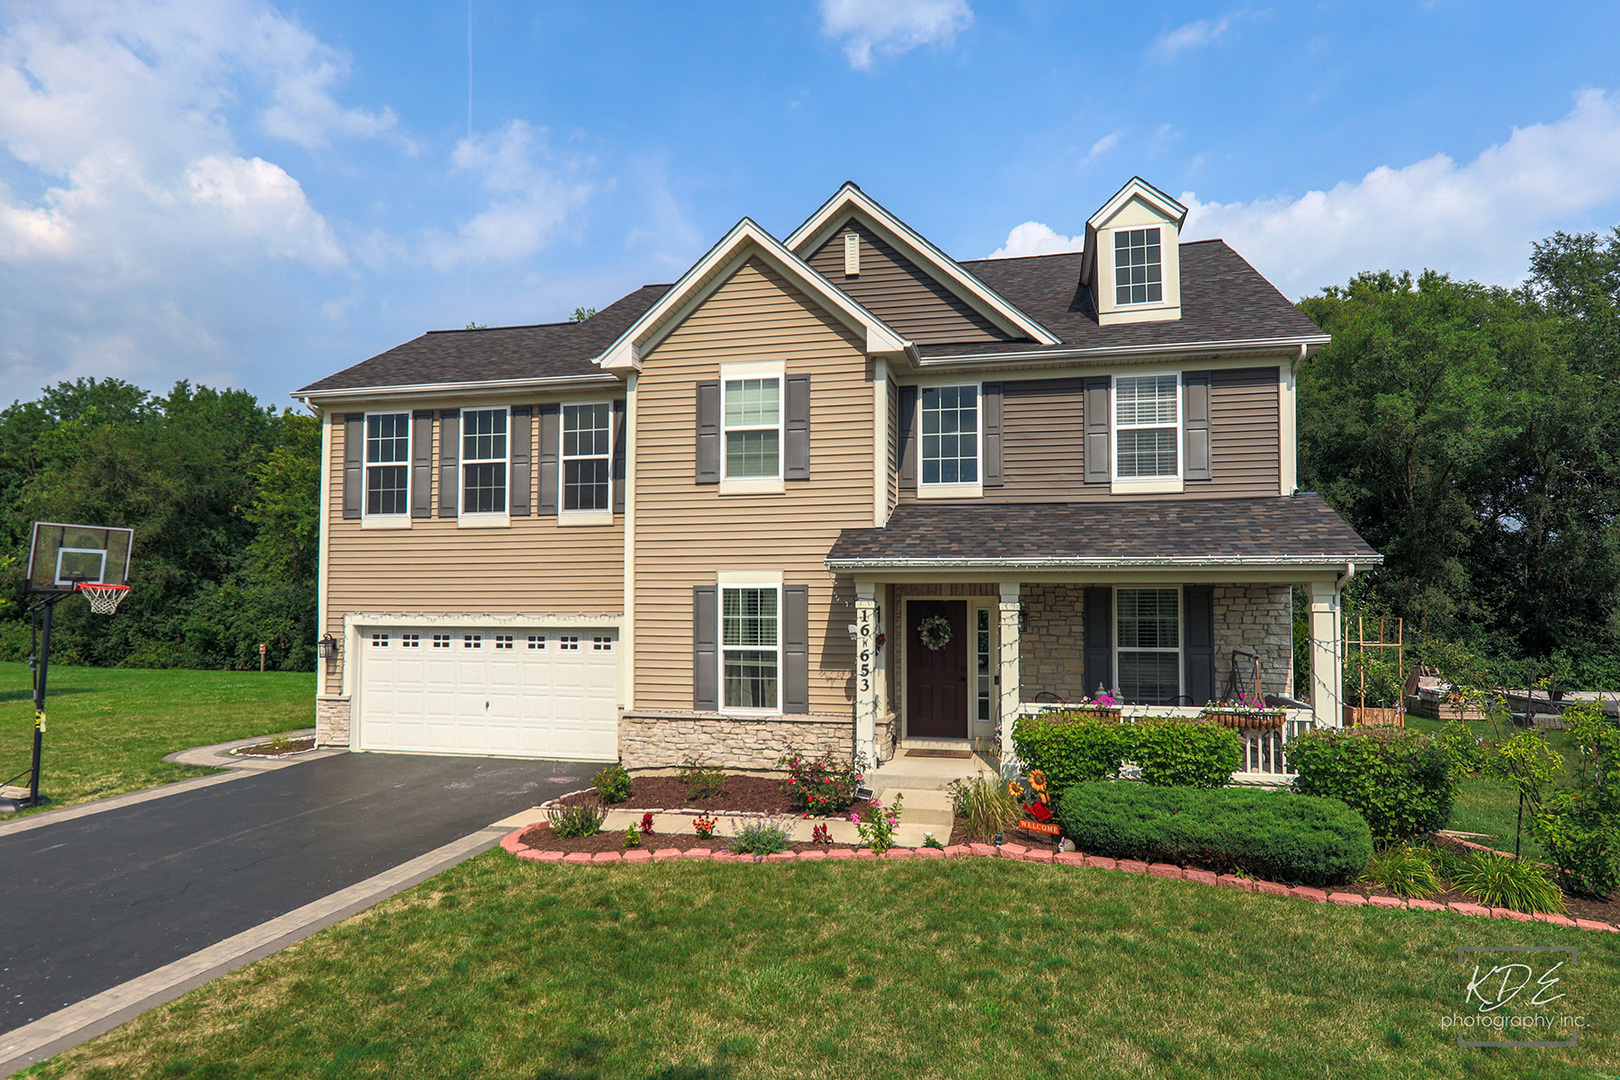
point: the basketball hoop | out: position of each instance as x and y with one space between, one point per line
104 599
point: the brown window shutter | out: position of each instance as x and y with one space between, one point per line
354 464
908 441
1195 425
708 432
1099 644
991 413
796 430
619 414
796 649
706 647
1198 643
449 462
1098 420
550 447
522 444
422 463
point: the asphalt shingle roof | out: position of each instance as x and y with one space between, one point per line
1300 527
548 350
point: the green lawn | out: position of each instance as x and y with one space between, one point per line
107 729
961 969
1488 806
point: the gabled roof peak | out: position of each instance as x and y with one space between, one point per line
1136 187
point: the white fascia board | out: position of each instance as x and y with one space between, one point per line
1103 353
315 398
625 353
851 200
1138 187
1278 562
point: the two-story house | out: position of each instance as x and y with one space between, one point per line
828 492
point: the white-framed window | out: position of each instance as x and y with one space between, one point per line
441 641
537 641
984 666
1138 267
949 450
379 641
587 456
750 647
601 643
1147 426
483 461
472 641
1147 641
751 423
388 464
503 641
410 641
568 642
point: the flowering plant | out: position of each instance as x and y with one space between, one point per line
1246 712
646 824
877 825
820 835
821 785
1103 705
703 826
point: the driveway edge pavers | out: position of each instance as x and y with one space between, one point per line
80 1022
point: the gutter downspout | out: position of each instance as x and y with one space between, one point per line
1349 572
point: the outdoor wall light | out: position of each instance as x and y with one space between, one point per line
327 647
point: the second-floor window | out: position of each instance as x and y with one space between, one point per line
1138 269
753 429
950 434
587 456
388 457
483 461
1147 427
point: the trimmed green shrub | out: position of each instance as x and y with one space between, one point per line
612 784
1070 749
1499 880
1272 835
1400 781
1184 753
764 837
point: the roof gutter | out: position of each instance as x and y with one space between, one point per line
1045 356
1323 562
560 382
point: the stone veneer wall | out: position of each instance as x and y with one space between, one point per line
662 740
332 721
1259 619
1051 653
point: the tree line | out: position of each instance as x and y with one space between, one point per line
1467 431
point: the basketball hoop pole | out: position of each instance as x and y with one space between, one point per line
41 671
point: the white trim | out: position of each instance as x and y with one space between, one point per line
745 239
1102 353
368 520
744 578
777 649
462 461
960 489
950 491
850 200
1279 562
359 620
1145 484
627 658
882 387
1288 434
582 517
483 521
990 606
748 485
323 571
1181 632
314 398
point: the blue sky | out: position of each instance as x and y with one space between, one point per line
255 194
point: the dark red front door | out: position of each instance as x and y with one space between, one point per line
937 678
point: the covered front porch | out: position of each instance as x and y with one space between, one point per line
954 644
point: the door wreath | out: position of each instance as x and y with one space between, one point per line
935 632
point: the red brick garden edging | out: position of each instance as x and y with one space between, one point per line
514 845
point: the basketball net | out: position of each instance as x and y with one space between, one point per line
104 599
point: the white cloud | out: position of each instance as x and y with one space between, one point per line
1102 146
892 27
533 191
1169 45
1475 220
1034 238
301 72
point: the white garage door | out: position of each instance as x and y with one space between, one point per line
526 693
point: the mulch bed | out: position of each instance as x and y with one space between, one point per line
741 795
541 837
291 746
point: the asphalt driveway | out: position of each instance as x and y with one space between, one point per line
92 902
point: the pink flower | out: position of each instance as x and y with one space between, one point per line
855 818
790 780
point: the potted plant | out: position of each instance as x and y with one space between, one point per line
1104 706
1246 713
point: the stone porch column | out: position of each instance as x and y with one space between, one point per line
1008 667
1327 655
868 672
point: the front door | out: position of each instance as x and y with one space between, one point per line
936 669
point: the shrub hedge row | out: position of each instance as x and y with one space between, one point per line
1274 835
1401 781
1073 749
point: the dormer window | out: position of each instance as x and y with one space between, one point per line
1138 270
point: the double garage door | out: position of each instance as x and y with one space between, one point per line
546 693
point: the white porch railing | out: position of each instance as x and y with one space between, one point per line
1265 755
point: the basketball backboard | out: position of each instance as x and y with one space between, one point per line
62 556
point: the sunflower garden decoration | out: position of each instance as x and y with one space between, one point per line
1038 810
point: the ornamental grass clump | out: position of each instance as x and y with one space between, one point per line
1404 869
983 804
763 837
702 779
822 785
577 819
1499 880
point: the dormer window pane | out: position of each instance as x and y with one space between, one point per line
1138 270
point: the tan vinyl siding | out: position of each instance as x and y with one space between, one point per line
1043 441
899 292
687 532
533 567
